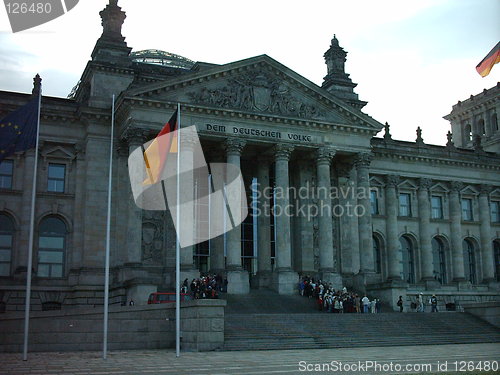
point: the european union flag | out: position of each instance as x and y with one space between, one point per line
18 130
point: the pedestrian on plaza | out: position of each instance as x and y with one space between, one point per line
434 303
420 303
400 304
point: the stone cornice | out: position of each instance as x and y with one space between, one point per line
239 114
432 154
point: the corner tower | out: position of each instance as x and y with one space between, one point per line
337 81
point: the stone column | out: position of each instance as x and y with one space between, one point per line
217 258
349 238
391 209
365 220
325 227
284 280
424 214
187 183
238 280
135 139
456 233
263 224
304 227
487 255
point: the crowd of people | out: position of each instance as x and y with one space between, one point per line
337 301
205 287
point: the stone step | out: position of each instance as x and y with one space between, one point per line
266 321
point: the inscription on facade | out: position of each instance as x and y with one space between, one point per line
257 133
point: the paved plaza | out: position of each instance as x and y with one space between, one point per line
384 360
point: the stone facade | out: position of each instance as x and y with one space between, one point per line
406 216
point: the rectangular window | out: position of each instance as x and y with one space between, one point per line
56 175
6 172
467 209
495 211
404 204
374 201
437 207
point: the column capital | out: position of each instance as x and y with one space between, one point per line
363 160
234 146
456 186
135 136
283 151
324 155
424 183
391 180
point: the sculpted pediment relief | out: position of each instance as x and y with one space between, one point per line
258 91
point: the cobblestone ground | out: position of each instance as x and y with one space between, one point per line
412 359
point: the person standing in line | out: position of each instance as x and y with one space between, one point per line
373 306
366 304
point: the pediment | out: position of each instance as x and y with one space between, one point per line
495 193
376 182
439 188
469 190
256 85
58 152
407 185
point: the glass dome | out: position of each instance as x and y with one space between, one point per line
157 57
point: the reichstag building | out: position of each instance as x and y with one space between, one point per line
407 217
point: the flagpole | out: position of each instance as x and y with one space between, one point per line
177 243
108 235
37 87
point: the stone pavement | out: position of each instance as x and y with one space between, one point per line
383 360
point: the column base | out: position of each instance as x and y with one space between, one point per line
332 278
264 279
238 282
431 284
285 282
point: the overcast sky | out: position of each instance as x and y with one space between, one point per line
412 59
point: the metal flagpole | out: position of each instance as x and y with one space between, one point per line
108 229
177 244
31 233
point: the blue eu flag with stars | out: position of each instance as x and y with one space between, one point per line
18 129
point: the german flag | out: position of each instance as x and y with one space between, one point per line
155 156
485 66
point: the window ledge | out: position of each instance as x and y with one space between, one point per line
54 194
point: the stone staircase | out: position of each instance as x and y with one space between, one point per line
282 326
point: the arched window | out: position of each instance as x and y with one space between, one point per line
494 122
469 261
6 241
439 260
481 128
468 133
496 249
377 255
51 247
406 249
